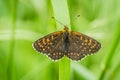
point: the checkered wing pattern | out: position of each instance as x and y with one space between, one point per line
51 45
81 45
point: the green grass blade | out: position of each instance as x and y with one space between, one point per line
61 13
111 51
11 65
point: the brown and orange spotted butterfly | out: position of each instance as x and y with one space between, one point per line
72 44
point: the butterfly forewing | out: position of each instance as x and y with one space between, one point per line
81 45
51 45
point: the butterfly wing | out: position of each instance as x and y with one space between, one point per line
51 45
81 45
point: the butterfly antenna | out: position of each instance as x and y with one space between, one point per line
74 19
58 21
69 23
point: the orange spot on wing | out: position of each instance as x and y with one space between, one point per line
52 37
81 37
48 40
86 40
44 41
90 42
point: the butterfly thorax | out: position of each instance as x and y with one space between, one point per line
66 38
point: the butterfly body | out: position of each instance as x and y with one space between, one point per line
68 43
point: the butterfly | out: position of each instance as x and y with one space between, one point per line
68 43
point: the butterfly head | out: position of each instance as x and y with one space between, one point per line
66 28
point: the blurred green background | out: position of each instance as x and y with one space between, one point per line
24 21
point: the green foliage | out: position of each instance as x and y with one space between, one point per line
24 21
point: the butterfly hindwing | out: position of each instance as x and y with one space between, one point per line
51 45
81 45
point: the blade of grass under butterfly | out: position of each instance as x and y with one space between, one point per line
60 9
